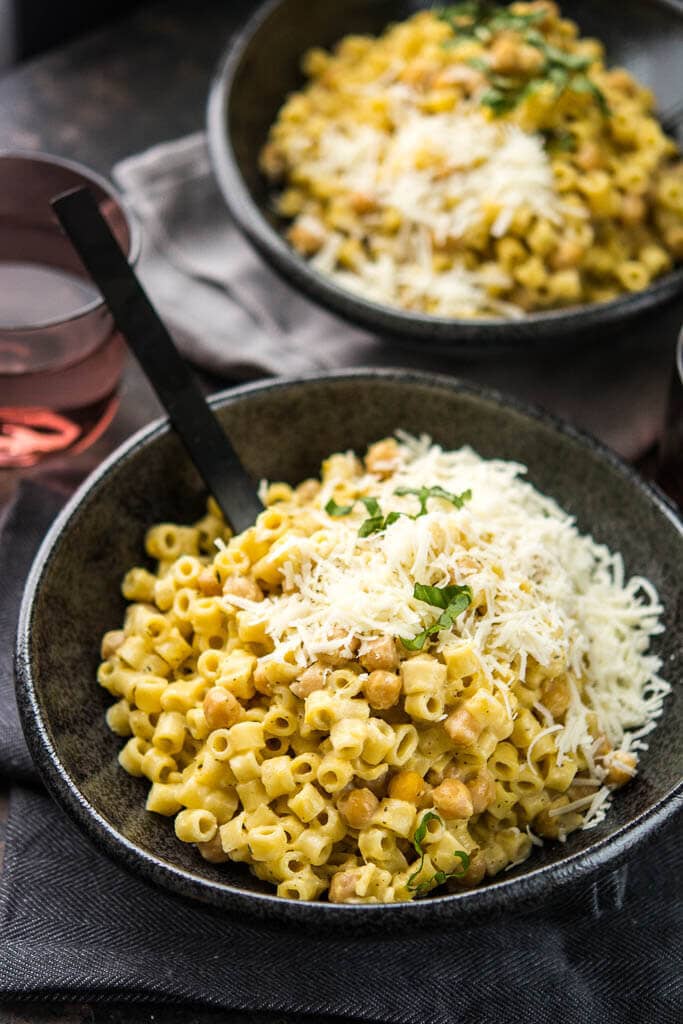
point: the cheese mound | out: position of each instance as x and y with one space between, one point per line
446 175
543 593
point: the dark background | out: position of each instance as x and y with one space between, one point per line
39 25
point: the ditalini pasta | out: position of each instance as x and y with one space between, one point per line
402 677
477 160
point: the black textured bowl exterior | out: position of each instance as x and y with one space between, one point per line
261 66
282 431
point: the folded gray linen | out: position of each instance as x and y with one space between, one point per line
231 315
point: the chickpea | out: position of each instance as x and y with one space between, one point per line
242 586
111 642
463 728
380 654
550 10
382 689
382 458
359 807
311 679
350 646
221 708
213 851
306 235
568 254
589 157
633 209
361 202
621 767
261 681
452 799
208 583
408 786
621 79
510 56
342 886
530 59
482 791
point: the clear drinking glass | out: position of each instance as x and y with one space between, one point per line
61 357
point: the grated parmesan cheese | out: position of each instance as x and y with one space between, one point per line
446 175
553 596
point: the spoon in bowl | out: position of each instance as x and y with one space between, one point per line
193 420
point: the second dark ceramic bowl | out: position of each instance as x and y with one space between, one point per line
282 431
262 65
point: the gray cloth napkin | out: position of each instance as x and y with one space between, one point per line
234 317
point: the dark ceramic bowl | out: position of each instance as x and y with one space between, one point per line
261 66
283 430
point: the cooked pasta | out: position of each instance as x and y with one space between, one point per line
475 161
403 676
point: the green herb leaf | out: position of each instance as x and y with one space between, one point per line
376 521
453 599
504 19
573 61
424 493
333 509
372 505
415 643
455 499
439 877
498 101
559 77
582 83
375 524
418 839
467 9
441 597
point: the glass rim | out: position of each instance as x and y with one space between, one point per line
134 231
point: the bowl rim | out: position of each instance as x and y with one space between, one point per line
473 335
525 889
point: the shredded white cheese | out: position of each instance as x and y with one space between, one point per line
444 174
544 594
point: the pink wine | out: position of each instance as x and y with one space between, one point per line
60 363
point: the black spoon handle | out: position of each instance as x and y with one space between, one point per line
169 375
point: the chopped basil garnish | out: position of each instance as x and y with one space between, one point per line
559 140
582 83
482 20
439 877
372 505
375 524
453 599
333 509
377 521
423 494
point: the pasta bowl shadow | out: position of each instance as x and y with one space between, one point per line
282 431
261 65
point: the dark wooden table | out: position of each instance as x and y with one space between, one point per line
141 81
